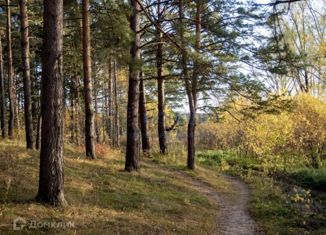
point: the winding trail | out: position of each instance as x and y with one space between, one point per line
232 216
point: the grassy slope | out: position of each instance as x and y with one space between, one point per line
102 198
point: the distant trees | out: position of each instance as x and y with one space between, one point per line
51 178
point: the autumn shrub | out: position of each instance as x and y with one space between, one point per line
312 178
268 134
309 132
101 150
279 138
223 136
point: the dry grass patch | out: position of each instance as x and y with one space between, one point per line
102 198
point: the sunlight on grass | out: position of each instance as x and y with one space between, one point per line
101 197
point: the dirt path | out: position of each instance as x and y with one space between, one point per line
232 217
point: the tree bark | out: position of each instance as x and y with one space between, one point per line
36 106
17 99
89 112
2 96
109 98
104 112
38 132
10 75
51 177
26 74
72 112
132 152
96 127
160 83
143 117
116 142
78 114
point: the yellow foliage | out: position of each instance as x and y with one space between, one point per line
268 133
323 48
310 124
299 132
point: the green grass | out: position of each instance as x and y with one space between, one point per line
272 208
284 200
102 198
309 178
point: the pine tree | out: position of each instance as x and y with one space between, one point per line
10 70
26 74
132 151
51 177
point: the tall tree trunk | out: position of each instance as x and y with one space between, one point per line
97 131
37 107
72 112
2 96
116 143
110 97
104 112
143 117
77 124
51 177
160 82
38 131
106 102
191 136
89 113
191 84
35 98
193 101
17 100
132 152
26 74
10 75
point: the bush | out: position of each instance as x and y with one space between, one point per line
275 138
310 178
211 158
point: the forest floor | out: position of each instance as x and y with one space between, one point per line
160 199
231 198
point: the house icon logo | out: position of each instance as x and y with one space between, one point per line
19 223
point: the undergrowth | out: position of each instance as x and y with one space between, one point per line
285 200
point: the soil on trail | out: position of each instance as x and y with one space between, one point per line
232 216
